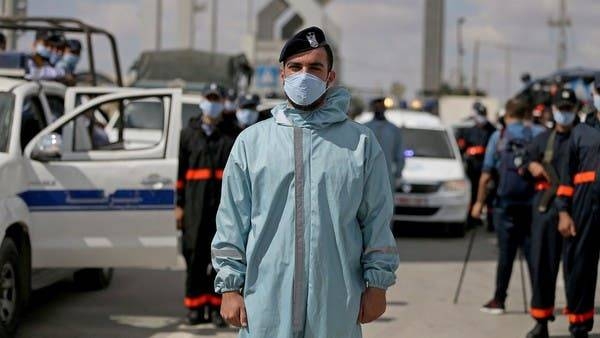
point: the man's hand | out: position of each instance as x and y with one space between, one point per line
537 171
566 226
372 305
476 210
179 218
233 309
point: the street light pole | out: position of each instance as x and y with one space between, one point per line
475 75
461 52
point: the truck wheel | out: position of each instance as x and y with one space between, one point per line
11 286
93 279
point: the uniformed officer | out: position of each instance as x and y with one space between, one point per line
390 139
543 156
247 113
472 143
203 153
579 217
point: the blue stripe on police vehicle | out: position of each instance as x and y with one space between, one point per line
98 200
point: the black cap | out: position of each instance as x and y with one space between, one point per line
74 45
565 98
377 100
214 89
305 40
248 100
479 108
57 39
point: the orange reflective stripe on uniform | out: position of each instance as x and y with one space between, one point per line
578 318
214 300
219 174
180 184
565 191
541 313
543 185
476 150
585 177
198 174
192 302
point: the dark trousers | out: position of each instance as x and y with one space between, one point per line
200 276
581 261
546 251
513 224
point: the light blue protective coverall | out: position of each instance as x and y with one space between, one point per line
390 139
303 224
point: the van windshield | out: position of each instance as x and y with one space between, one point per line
426 143
6 116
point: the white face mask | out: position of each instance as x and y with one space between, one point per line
211 109
564 118
246 117
303 88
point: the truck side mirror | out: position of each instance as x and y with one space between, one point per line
48 148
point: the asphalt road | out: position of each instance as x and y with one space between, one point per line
148 303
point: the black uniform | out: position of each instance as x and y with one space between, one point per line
202 159
472 143
546 241
579 181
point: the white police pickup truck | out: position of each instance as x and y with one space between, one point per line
72 201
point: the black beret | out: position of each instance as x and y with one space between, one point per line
565 97
215 89
305 40
248 100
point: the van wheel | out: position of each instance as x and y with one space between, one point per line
11 286
93 279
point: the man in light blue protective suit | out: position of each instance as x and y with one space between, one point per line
303 246
390 139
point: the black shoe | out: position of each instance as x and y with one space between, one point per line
196 316
493 307
217 320
539 331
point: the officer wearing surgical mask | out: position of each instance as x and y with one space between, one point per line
71 56
203 152
303 246
38 65
247 113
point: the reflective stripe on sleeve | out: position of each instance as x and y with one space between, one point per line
584 177
385 250
539 313
565 191
476 150
227 253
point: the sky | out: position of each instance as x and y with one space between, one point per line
381 39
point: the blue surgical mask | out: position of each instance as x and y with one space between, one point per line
303 88
597 101
211 109
479 119
70 61
564 118
247 117
42 50
54 57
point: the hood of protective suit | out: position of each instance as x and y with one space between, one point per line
337 101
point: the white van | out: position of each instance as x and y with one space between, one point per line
434 187
70 204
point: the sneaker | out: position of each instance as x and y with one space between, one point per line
493 307
539 331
